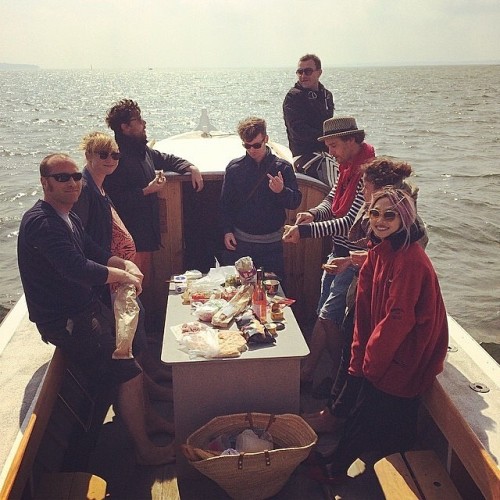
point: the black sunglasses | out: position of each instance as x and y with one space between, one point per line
77 176
306 71
388 215
103 155
254 146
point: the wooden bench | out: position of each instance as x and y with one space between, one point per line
71 486
415 475
53 485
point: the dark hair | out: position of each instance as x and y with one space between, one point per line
122 112
45 163
311 57
383 171
358 136
251 127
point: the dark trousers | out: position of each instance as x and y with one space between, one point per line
266 255
379 422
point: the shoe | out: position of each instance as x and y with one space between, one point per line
323 389
321 474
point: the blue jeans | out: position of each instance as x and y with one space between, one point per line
332 301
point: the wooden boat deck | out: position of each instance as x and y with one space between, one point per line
113 460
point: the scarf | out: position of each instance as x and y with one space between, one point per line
348 180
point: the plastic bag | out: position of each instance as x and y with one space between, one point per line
126 312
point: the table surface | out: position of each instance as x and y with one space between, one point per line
290 342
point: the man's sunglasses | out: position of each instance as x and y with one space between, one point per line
388 215
254 146
103 155
77 176
305 71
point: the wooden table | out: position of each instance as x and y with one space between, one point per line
265 380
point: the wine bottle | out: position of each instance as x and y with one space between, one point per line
259 299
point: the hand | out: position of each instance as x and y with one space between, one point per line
156 184
133 269
358 257
337 265
196 178
304 218
230 241
291 234
276 184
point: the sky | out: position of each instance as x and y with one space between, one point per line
115 34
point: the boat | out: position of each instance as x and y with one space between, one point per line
52 421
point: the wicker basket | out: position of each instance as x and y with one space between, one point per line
255 475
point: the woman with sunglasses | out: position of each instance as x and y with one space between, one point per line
378 173
103 224
400 338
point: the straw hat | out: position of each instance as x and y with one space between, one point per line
341 126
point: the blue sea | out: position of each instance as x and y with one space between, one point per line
444 120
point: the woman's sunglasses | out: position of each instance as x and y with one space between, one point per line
103 155
77 176
388 215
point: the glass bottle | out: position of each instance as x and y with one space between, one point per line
259 299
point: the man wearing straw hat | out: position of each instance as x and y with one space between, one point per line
333 217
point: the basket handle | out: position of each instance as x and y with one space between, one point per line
249 418
267 458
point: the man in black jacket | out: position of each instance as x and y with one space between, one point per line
139 176
306 106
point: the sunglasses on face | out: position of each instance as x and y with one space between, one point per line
388 215
77 176
254 146
103 155
305 71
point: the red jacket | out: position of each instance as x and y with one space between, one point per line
401 330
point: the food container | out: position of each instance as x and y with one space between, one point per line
271 286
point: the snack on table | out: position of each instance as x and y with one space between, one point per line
246 269
225 315
231 344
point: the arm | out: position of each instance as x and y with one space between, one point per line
172 163
336 226
124 271
284 184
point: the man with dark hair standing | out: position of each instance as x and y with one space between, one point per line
139 176
59 266
306 106
257 189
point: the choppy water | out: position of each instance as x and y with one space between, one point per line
444 120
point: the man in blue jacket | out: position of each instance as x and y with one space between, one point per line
257 189
59 266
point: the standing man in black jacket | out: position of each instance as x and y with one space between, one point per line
306 106
139 176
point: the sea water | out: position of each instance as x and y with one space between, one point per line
444 120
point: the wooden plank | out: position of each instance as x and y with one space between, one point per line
20 467
432 478
71 486
395 478
478 462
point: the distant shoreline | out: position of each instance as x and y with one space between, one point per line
26 67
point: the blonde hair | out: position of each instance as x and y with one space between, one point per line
98 141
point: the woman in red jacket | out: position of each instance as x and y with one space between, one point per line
400 338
